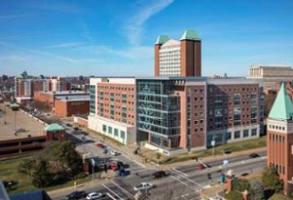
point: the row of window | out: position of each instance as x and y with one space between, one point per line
276 138
110 130
279 168
276 127
116 88
237 134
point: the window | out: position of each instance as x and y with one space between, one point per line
236 134
254 132
116 132
122 134
104 128
245 133
228 135
110 129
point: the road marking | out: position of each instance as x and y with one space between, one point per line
121 188
180 172
181 175
179 180
109 195
112 192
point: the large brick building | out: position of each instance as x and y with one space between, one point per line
176 112
178 58
280 138
63 103
112 108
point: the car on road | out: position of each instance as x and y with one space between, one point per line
114 153
253 155
95 196
227 151
200 166
76 195
100 145
160 174
143 186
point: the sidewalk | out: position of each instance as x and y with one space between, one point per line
216 157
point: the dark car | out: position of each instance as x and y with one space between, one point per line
159 174
253 155
76 195
227 151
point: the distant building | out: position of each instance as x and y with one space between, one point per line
280 138
63 103
271 75
178 58
72 105
26 88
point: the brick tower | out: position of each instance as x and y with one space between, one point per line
280 138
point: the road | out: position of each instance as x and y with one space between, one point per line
183 182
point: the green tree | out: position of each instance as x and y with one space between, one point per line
24 74
241 185
26 166
41 176
271 180
256 190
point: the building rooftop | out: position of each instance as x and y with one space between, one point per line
282 108
35 195
72 98
25 125
276 66
189 35
162 39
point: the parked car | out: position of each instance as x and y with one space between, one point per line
143 186
100 145
114 153
160 174
253 155
200 166
95 195
76 195
227 151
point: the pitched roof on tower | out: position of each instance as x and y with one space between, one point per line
162 39
282 108
189 35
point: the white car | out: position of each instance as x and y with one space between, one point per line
143 186
94 196
114 153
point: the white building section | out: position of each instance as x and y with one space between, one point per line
123 133
170 59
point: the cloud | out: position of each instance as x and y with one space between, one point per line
7 17
56 6
65 45
134 25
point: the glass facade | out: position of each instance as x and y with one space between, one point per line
158 111
92 91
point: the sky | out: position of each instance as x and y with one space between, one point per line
116 37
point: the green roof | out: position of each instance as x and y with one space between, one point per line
189 35
162 39
54 127
282 108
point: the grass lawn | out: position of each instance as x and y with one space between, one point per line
9 172
233 147
278 196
